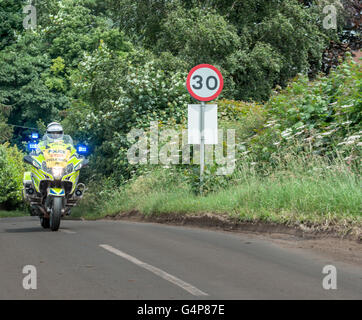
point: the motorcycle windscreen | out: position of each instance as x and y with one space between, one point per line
57 156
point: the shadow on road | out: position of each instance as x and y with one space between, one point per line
25 230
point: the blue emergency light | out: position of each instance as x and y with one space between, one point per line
32 146
35 136
81 149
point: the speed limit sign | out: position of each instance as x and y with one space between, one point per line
205 82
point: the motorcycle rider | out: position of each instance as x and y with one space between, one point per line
55 133
56 190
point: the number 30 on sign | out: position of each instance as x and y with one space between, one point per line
205 82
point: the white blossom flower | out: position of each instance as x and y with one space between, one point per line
286 133
353 138
298 133
328 133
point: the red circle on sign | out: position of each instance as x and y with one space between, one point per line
193 94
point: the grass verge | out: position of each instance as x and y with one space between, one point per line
12 214
312 195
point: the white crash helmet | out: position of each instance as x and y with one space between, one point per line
55 131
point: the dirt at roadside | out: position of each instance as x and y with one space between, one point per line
330 242
343 250
357 55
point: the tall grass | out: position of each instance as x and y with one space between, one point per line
298 190
12 214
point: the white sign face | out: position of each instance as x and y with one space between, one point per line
210 124
205 82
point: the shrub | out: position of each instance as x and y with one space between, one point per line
11 176
322 117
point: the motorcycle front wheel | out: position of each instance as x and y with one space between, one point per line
56 213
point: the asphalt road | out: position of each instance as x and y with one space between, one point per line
126 260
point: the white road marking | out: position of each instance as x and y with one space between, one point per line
182 284
67 231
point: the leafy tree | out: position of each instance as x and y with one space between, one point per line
255 73
198 36
11 21
73 28
118 93
142 19
5 129
24 86
258 43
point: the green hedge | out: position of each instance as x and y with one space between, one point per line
11 176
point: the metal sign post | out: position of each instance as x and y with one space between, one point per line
204 83
202 144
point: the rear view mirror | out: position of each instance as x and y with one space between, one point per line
28 159
82 165
31 161
85 163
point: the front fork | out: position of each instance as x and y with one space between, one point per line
52 194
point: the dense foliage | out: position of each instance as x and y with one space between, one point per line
103 67
322 117
11 176
257 44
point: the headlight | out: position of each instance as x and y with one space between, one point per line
57 173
